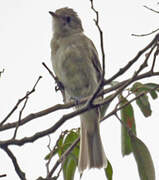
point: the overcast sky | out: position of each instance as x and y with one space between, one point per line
25 34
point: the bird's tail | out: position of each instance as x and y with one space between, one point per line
91 149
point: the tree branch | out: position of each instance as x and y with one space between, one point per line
154 58
52 109
131 62
19 101
3 175
113 112
20 116
100 85
20 173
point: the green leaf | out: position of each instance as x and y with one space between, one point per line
142 101
109 171
144 106
71 161
71 137
143 159
152 87
69 168
60 146
104 107
153 94
127 116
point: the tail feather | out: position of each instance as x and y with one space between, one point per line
91 149
83 157
96 155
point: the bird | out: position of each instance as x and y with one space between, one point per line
76 64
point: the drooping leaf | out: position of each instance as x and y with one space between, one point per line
143 159
152 86
60 146
104 107
127 116
144 105
153 89
153 94
142 101
69 168
71 137
71 160
109 171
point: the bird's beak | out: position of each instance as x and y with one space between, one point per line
53 14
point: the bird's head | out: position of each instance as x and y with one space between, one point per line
66 22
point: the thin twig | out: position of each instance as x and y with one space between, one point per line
19 172
1 72
50 72
52 151
130 81
135 74
58 174
20 116
49 143
154 58
151 9
59 86
131 62
147 34
144 64
3 175
19 101
63 157
152 32
119 108
100 86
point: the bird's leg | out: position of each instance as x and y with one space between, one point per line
76 100
60 86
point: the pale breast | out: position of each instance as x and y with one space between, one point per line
72 66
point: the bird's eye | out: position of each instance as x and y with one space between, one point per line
68 19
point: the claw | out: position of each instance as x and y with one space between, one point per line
75 99
59 85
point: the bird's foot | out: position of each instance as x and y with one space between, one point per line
76 100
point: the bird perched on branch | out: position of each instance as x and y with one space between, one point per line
76 64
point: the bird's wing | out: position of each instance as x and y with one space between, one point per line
95 60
